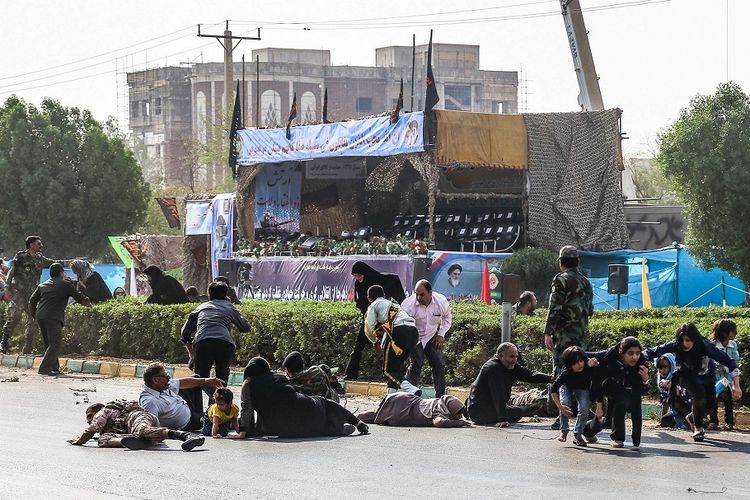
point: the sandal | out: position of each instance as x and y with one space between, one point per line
698 436
563 437
578 440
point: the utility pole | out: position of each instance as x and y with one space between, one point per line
227 41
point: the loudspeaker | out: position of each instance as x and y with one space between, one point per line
511 288
422 269
617 283
228 269
310 243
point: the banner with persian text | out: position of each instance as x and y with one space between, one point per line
319 278
369 137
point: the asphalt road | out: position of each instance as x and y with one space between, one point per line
39 414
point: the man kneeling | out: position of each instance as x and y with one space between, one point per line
125 424
490 392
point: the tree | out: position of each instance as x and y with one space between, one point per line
706 155
650 183
67 178
536 266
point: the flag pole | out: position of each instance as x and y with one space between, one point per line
413 63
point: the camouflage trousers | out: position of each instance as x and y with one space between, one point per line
141 424
16 309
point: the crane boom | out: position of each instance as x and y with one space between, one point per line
590 97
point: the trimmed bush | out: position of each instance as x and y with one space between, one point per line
324 332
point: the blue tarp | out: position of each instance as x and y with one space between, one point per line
113 274
673 278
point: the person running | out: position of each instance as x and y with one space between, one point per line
574 382
723 333
394 332
365 277
90 281
696 358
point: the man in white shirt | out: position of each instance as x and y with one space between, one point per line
433 318
389 328
161 397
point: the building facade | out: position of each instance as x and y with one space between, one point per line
170 107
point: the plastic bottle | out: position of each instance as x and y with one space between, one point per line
721 384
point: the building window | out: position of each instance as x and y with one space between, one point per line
157 106
458 97
308 106
158 150
364 104
133 109
146 107
499 107
200 117
270 105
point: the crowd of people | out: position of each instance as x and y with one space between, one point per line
597 388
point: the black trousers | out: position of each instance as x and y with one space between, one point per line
360 343
437 362
724 398
405 337
194 399
701 390
52 335
213 352
336 417
623 400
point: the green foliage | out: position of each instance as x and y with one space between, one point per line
536 266
65 178
706 154
154 221
325 331
650 182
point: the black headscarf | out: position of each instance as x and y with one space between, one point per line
293 362
165 289
257 366
390 282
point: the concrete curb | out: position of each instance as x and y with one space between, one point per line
118 369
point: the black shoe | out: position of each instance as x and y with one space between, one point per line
134 443
555 425
51 373
363 428
192 442
347 430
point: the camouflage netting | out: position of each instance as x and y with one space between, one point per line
195 269
245 199
163 251
575 196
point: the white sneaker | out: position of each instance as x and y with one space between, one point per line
411 388
616 444
391 390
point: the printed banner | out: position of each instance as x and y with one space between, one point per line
459 274
170 211
336 168
124 255
198 217
277 200
135 250
370 137
321 278
222 223
315 201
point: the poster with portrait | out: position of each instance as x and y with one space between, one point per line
459 274
222 222
278 189
198 217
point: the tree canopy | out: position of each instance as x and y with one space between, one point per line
66 178
706 155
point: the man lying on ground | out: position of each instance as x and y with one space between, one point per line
124 424
409 410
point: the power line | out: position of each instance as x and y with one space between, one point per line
191 27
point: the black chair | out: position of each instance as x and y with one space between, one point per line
363 233
398 222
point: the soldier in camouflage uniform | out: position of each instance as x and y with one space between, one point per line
21 282
126 424
571 304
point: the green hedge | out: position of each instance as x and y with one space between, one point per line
325 331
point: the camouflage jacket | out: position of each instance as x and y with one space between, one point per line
313 382
571 303
24 276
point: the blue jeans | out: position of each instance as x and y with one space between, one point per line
208 427
582 396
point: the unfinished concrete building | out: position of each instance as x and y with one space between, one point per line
170 105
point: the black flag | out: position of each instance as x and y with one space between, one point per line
431 97
292 116
325 106
399 104
170 211
236 125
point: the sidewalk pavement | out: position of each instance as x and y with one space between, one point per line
125 369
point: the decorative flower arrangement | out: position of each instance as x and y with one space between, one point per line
328 247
